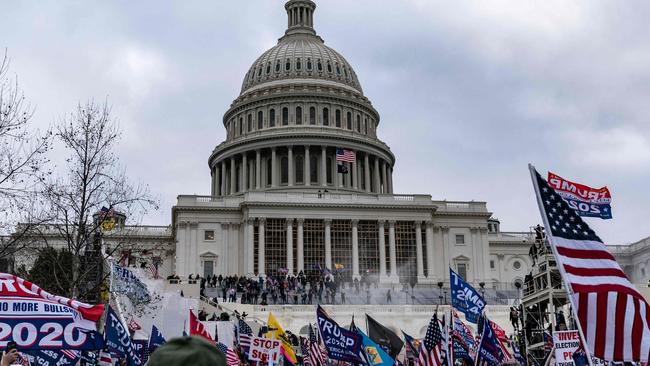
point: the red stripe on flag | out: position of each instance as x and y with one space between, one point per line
619 331
637 330
601 325
606 288
583 307
584 254
594 272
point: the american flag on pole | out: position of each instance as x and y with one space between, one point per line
245 335
431 347
231 357
345 155
316 355
152 270
105 359
613 316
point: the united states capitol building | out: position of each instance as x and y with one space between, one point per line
280 201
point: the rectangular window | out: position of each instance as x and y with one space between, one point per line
208 235
461 269
491 264
460 239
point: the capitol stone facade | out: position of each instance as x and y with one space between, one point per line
280 201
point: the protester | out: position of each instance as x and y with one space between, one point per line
187 351
8 358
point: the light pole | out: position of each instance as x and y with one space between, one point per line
440 284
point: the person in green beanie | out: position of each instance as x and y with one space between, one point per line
195 351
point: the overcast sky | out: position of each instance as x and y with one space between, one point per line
468 92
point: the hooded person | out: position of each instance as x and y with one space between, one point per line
194 351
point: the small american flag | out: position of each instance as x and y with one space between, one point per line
316 354
231 357
613 315
431 348
304 349
70 353
347 156
105 359
245 334
152 270
133 325
548 341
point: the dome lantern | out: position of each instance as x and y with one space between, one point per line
300 14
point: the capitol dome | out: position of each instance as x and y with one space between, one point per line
299 108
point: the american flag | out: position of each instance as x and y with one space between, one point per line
548 341
151 269
245 334
70 353
347 156
304 349
105 359
613 316
431 348
231 357
316 354
133 325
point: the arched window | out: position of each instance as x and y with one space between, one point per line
272 118
313 168
284 170
345 72
349 121
287 65
319 65
298 64
309 64
338 118
338 70
358 123
269 175
326 117
249 125
285 116
298 115
241 126
259 71
329 67
277 66
268 68
365 126
329 170
260 120
300 169
312 116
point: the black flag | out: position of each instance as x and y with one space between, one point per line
384 337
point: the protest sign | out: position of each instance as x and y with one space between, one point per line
265 350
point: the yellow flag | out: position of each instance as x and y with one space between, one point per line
276 332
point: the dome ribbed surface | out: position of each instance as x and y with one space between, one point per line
299 58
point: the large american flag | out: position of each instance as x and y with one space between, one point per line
245 335
613 316
316 355
231 357
431 347
347 156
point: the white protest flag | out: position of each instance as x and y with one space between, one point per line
123 281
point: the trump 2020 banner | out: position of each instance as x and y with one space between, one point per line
465 298
118 339
586 201
341 344
36 319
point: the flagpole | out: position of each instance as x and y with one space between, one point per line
567 286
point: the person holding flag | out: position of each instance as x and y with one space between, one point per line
275 331
431 349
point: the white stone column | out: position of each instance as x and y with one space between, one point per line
323 164
382 249
258 169
244 170
227 266
180 253
261 252
446 251
290 164
224 181
233 176
274 168
376 182
213 183
307 173
251 176
392 250
390 180
429 241
485 246
418 250
301 245
250 252
384 177
195 262
290 246
355 249
328 243
366 171
355 173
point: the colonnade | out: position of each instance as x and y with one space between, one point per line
384 273
304 166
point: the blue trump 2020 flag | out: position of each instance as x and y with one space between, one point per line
465 298
118 339
489 351
341 344
156 339
375 355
